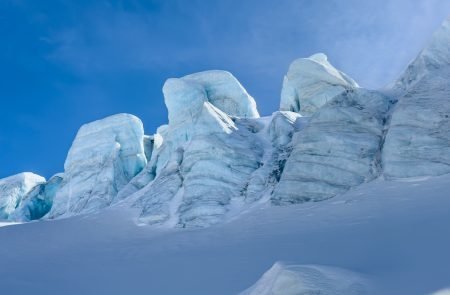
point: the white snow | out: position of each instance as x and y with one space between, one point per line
394 234
283 279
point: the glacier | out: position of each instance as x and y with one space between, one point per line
374 159
339 148
105 155
204 156
13 190
217 157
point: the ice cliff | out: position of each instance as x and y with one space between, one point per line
338 149
104 157
418 141
204 158
217 157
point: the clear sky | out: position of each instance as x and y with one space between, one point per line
64 63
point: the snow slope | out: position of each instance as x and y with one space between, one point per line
394 234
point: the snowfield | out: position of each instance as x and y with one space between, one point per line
394 235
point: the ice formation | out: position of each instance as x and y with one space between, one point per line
283 279
185 96
204 158
216 156
338 149
103 158
310 83
38 202
13 190
417 143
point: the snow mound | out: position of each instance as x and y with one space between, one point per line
14 188
105 155
310 83
283 279
338 149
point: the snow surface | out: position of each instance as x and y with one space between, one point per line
394 234
310 83
283 279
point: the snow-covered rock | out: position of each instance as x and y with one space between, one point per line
310 83
105 155
13 189
418 141
38 202
338 149
283 279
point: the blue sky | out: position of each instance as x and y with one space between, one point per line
65 63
